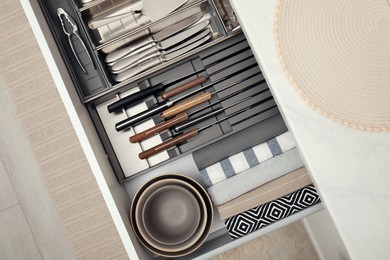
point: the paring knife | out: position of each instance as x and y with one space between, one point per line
159 36
156 50
158 60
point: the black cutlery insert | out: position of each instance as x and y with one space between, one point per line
237 88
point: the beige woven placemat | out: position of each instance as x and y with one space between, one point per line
336 53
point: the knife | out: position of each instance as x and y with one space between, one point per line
154 28
158 60
142 94
116 25
159 36
162 48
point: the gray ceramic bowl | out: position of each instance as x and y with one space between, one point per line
201 233
168 246
171 215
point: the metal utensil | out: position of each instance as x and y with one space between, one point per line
109 26
163 48
157 37
154 28
158 60
61 13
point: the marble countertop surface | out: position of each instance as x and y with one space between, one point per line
350 168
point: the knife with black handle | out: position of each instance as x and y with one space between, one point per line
141 95
164 105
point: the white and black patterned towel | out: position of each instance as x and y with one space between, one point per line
271 212
247 159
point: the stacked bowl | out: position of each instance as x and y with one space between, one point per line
172 215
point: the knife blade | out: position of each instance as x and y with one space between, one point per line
154 28
158 60
156 10
164 47
159 36
151 11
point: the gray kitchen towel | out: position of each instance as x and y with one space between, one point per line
246 159
254 177
240 141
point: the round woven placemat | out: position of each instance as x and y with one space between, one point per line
336 53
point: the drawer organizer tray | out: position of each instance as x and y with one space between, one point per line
236 102
234 90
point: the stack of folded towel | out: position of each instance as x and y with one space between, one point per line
260 185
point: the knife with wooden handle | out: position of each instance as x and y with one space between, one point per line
185 105
168 144
164 105
183 117
191 134
158 128
141 95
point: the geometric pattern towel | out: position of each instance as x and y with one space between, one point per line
247 159
271 212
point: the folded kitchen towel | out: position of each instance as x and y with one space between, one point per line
254 177
246 159
271 212
272 190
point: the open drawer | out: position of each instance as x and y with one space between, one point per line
95 125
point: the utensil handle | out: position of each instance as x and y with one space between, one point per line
184 87
140 117
183 106
168 144
133 56
136 70
198 119
134 98
158 128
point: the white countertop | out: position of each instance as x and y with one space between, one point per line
350 168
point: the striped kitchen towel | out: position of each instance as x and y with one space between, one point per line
247 159
271 212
